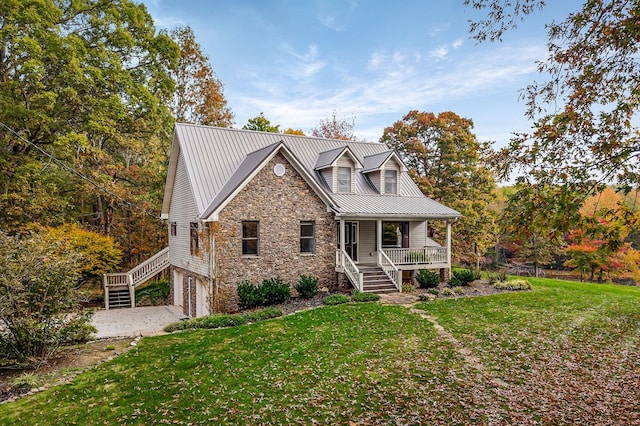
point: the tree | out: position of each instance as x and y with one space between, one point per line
585 112
291 131
335 128
198 97
447 162
39 309
261 124
84 85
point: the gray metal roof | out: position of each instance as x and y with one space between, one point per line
219 159
393 206
326 159
375 161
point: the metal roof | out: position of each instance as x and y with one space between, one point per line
219 159
391 206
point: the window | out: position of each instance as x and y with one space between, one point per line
194 240
250 238
174 229
307 237
344 179
395 234
390 182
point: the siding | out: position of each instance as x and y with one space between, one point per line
183 211
418 234
367 242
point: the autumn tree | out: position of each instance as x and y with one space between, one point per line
335 128
83 85
260 123
447 162
198 97
585 106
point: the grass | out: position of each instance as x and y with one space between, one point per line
562 353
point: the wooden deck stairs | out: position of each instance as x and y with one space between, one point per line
375 280
119 288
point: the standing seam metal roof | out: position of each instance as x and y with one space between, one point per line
214 156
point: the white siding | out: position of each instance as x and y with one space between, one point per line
417 234
367 247
183 211
202 298
177 288
375 179
327 174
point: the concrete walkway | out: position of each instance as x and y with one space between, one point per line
132 322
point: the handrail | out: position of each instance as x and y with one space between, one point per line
417 256
140 273
390 269
351 269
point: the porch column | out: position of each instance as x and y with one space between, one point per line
449 245
379 240
341 236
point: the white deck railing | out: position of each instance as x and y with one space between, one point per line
390 269
350 268
417 256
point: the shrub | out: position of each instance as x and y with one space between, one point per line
307 287
513 285
224 320
408 288
360 296
157 290
477 274
27 380
462 277
250 295
493 277
336 299
423 298
427 278
452 291
275 291
433 291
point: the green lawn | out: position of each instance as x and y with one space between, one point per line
561 354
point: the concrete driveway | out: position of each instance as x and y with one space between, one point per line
132 322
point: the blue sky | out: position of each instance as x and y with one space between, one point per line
373 61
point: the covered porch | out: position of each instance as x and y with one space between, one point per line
368 245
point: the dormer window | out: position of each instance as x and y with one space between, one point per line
390 182
344 179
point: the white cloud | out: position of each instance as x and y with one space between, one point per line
439 52
434 31
456 44
304 65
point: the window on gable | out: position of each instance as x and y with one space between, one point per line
344 179
174 229
194 239
390 182
250 237
307 237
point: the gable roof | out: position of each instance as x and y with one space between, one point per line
329 158
218 161
377 161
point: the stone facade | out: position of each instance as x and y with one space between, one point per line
279 204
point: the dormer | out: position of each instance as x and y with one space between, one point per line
383 170
338 168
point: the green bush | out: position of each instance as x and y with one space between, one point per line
452 291
336 299
513 285
156 290
250 295
433 291
462 277
427 278
307 287
275 291
224 320
360 296
408 288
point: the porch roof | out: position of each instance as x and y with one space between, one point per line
387 206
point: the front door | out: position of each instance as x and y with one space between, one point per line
351 239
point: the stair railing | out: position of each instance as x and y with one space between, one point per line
390 269
350 269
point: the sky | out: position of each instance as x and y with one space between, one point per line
369 61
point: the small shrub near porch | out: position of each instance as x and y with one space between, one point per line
307 287
270 292
427 278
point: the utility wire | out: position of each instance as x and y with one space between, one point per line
73 171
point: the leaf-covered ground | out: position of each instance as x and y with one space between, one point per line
564 353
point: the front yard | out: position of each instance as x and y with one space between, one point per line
563 353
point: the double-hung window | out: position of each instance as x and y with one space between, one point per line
250 238
390 182
344 179
194 239
307 237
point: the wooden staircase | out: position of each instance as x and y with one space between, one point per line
119 288
375 280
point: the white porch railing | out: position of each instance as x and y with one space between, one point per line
417 256
350 268
390 269
138 275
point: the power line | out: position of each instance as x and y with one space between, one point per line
73 171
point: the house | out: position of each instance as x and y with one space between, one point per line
245 205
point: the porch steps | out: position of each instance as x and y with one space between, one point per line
119 297
374 280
